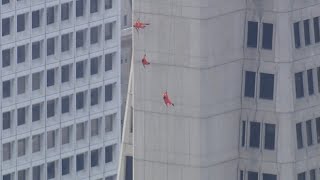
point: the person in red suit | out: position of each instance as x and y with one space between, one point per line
166 99
145 61
140 25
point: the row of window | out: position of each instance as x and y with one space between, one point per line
252 175
309 133
22 20
266 85
308 37
52 76
52 138
22 52
312 175
253 35
299 82
255 133
67 165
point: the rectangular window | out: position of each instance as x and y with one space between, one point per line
267 37
21 23
269 176
254 134
302 176
94 35
65 46
6 120
109 154
125 21
50 108
36 111
266 86
94 66
36 173
21 54
299 84
65 104
94 96
316 29
5 2
65 73
6 151
318 129
80 162
299 135
22 174
108 93
80 100
21 85
306 26
80 38
50 77
129 168
109 123
250 83
93 6
64 11
50 15
241 175
312 174
80 131
108 62
6 89
95 127
36 19
114 177
270 131
252 35
309 132
80 69
7 176
5 26
51 142
318 75
36 50
21 114
6 57
65 138
50 46
252 175
51 170
108 31
65 166
243 134
79 8
36 143
21 147
108 4
36 81
296 32
95 158
310 82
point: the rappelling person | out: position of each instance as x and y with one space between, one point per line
145 61
166 99
140 25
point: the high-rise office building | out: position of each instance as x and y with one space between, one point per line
244 76
60 89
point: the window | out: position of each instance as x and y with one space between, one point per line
6 151
65 104
80 38
109 123
302 176
266 86
21 24
21 54
296 32
36 173
22 174
21 147
50 15
80 131
108 154
108 31
93 6
51 139
6 177
21 85
243 134
95 158
318 129
254 134
5 26
21 114
108 62
50 108
80 69
65 167
36 19
299 135
36 111
252 34
94 96
252 175
309 132
64 11
79 8
80 162
269 176
50 77
306 32
108 4
94 66
241 175
65 46
95 124
5 2
250 82
36 81
65 139
270 131
299 84
80 100
108 92
312 174
36 143
129 168
51 170
267 37
310 82
316 29
125 23
113 178
50 46
6 57
6 120
6 89
318 75
65 77
94 35
36 50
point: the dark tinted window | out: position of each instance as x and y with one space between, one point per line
94 66
21 24
318 129
318 78
36 111
267 37
309 132
6 120
50 77
250 82
36 173
65 168
50 46
108 154
108 62
93 6
21 114
65 107
80 38
6 89
94 158
296 32
302 176
266 86
5 26
51 170
80 162
243 134
94 96
79 8
65 11
65 73
108 31
269 176
108 92
94 35
316 29
5 2
252 34
7 176
129 168
306 32
254 134
252 175
21 54
6 57
299 84
313 174
35 50
50 15
310 82
299 135
80 69
80 100
270 131
50 108
108 4
36 19
65 46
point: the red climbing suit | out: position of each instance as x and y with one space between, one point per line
166 99
140 25
145 61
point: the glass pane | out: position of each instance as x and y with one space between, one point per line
252 34
309 132
310 82
267 37
299 135
270 131
266 86
254 134
296 30
306 32
250 82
